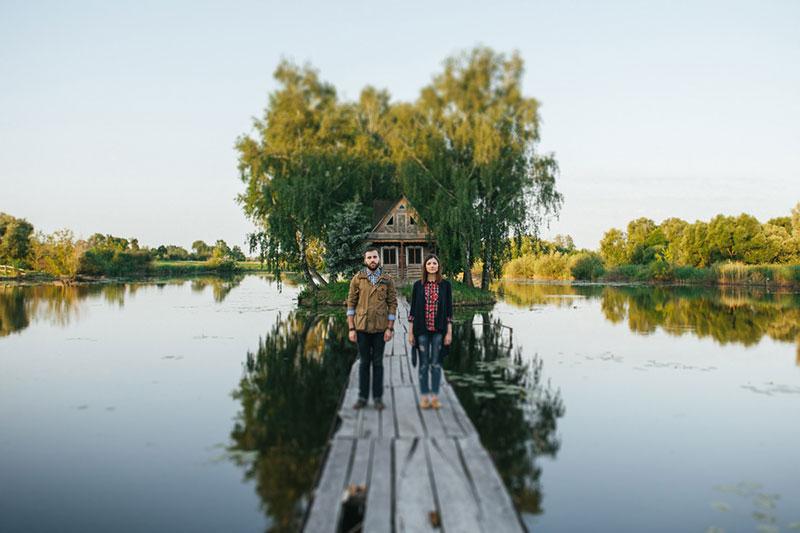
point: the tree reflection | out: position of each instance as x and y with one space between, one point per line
59 304
289 396
727 315
514 412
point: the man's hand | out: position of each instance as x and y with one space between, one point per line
352 335
387 335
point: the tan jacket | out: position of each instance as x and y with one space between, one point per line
372 303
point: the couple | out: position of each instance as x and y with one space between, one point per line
371 308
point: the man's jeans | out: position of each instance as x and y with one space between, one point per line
430 346
370 352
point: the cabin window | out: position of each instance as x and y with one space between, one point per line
389 255
411 220
414 255
390 222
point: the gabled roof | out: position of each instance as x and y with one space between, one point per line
381 208
377 221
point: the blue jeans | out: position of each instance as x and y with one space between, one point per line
430 345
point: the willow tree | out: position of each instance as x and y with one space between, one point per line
470 163
310 154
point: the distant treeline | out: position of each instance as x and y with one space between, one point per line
60 254
725 250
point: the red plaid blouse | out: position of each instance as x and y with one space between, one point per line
431 304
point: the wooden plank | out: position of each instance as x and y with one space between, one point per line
409 424
433 424
369 426
459 509
458 410
448 418
378 516
352 382
497 509
325 509
359 474
386 426
348 415
414 495
394 371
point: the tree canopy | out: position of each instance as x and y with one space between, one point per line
464 153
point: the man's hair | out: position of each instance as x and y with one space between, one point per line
438 275
372 249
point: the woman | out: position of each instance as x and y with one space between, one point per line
431 318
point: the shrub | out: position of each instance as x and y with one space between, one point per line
587 266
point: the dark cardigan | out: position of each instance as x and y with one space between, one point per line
444 310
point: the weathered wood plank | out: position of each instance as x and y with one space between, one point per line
369 426
497 509
326 507
359 474
378 516
414 496
409 424
394 367
458 410
348 415
386 427
448 418
352 382
459 509
433 424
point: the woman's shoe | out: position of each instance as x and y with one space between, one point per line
423 403
435 403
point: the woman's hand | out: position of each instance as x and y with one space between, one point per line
448 338
411 338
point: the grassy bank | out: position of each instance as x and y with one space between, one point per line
335 294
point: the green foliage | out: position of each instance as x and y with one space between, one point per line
468 160
344 242
311 155
202 251
552 265
613 248
107 255
57 254
463 152
586 266
677 243
15 240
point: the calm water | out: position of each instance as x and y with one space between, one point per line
205 405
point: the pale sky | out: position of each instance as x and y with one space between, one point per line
120 117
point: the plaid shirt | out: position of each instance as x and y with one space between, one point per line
431 304
373 276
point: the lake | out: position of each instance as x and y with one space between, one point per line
205 405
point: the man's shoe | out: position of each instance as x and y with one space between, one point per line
379 404
360 404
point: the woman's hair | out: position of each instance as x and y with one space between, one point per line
438 275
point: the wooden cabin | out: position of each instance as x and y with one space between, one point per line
402 238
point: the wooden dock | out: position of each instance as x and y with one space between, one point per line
422 470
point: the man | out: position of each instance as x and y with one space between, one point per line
371 308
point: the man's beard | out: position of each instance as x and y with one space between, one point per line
372 268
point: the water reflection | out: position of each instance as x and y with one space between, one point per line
59 304
728 315
289 395
514 411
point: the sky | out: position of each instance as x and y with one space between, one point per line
121 117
